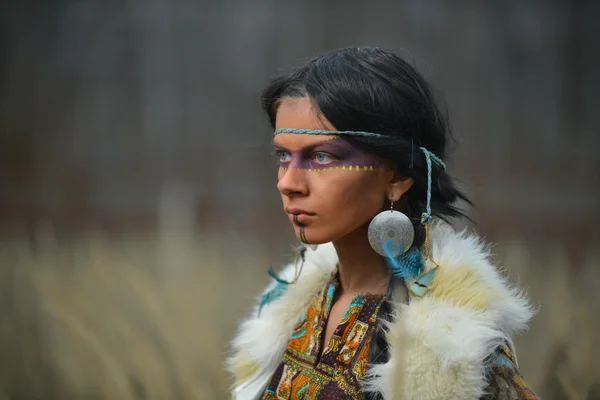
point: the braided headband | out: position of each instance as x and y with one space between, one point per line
426 217
323 132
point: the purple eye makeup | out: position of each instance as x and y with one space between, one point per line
327 155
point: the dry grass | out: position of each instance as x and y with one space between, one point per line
560 355
141 317
133 318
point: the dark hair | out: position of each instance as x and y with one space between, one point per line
374 90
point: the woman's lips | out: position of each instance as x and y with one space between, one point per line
299 216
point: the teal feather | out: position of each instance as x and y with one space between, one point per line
271 295
275 276
406 266
281 283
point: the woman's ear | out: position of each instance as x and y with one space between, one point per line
398 185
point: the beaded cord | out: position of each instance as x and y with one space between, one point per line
325 132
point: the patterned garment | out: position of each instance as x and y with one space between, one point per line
342 365
505 380
344 361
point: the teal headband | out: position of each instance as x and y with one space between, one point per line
426 217
323 132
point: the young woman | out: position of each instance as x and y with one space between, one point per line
385 300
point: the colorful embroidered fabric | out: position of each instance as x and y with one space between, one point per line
505 380
338 372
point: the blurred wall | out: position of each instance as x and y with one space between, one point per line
107 105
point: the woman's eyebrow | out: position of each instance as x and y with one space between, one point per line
306 148
278 147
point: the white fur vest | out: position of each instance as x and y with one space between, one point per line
438 343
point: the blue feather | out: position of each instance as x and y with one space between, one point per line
407 266
272 294
275 276
281 284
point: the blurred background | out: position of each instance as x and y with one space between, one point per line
138 208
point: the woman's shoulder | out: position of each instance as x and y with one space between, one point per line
281 304
308 275
258 345
505 381
459 318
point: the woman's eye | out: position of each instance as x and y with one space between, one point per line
284 156
323 158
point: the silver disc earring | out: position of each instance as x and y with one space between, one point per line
391 233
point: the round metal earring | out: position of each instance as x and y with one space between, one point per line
391 233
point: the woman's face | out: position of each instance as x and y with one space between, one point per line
329 187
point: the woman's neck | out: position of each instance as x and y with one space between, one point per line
361 269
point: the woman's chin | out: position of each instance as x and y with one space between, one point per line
312 237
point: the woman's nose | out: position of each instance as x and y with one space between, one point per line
292 182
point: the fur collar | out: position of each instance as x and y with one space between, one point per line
438 343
